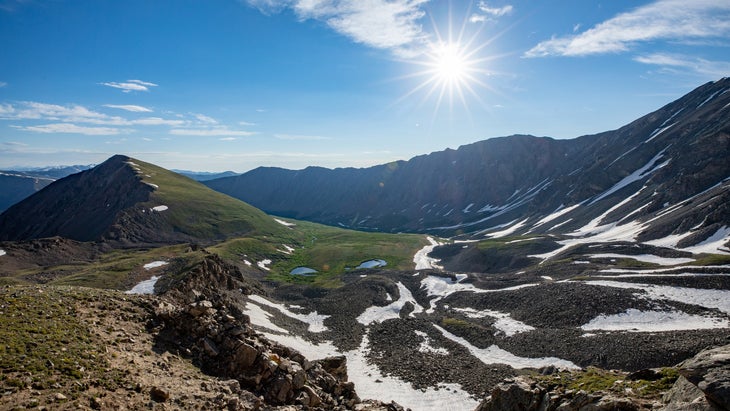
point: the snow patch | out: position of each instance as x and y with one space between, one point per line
145 287
392 310
427 347
154 264
423 261
284 223
505 323
467 208
315 321
719 299
495 355
263 264
557 213
2 252
507 231
637 175
159 208
647 258
653 321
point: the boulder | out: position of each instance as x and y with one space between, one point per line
710 372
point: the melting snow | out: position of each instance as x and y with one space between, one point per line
263 264
713 244
652 321
262 318
467 208
508 230
392 310
426 346
371 383
719 299
285 223
315 321
155 186
159 208
154 264
145 287
423 261
647 258
495 355
505 323
659 131
635 176
441 287
557 213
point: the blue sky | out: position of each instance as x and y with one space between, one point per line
235 84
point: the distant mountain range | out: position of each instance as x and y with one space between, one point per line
663 176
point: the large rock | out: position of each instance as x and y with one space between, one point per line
710 372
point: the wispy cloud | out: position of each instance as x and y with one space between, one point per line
663 20
131 85
15 143
210 132
129 107
3 84
72 129
487 12
299 137
31 110
382 24
712 69
202 118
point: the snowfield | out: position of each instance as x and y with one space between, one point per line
719 299
647 258
495 355
653 321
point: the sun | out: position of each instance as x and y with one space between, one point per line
452 67
449 64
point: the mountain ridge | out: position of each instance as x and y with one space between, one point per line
661 160
127 201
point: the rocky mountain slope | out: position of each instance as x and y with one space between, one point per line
666 173
131 202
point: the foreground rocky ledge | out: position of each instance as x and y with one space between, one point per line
702 383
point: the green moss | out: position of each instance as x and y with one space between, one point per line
595 380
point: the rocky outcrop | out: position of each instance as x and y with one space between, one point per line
200 317
524 394
705 382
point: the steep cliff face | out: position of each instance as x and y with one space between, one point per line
668 169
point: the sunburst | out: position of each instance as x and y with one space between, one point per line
451 67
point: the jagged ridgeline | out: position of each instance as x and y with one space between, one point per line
129 201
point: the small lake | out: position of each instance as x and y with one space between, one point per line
372 264
305 271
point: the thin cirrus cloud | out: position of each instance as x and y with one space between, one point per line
299 137
129 107
210 132
70 128
383 24
663 20
487 12
713 69
31 110
131 85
